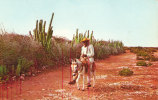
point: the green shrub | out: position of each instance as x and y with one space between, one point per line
3 73
18 69
23 66
104 49
153 58
149 64
141 63
125 72
142 53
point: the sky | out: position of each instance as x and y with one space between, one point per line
134 22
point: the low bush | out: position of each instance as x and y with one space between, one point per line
126 72
141 63
3 73
142 53
150 58
149 64
23 66
104 49
153 58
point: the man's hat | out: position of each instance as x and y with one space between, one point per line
85 40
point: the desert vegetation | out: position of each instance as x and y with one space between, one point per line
144 55
28 55
125 72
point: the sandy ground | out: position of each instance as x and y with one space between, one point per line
143 85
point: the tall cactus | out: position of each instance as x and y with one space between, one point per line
41 36
79 36
91 37
88 34
36 35
44 34
49 33
85 34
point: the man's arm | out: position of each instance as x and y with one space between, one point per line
81 52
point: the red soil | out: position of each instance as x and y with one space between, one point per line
143 85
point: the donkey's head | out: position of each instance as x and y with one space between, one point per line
74 67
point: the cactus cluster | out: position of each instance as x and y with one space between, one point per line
79 36
41 36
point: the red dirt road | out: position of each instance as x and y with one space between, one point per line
143 85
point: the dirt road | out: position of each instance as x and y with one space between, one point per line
143 85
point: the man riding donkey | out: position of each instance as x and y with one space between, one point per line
87 53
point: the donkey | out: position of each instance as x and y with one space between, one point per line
79 68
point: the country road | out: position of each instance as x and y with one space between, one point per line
143 85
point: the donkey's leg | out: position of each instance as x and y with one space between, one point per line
89 76
94 78
77 81
83 82
83 73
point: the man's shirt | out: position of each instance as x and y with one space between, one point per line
89 50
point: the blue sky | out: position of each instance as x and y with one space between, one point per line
134 22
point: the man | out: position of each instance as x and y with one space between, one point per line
87 51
